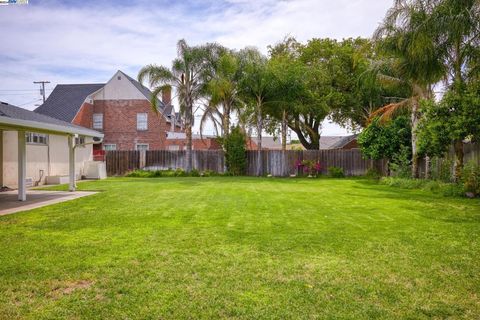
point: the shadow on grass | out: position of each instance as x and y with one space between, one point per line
427 204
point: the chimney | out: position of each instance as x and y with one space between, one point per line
167 96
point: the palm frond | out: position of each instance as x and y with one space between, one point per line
387 112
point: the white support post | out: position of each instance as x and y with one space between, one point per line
71 162
22 166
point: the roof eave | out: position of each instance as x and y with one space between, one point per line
28 125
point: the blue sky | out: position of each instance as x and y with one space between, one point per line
87 41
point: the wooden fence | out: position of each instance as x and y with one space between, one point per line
471 154
276 163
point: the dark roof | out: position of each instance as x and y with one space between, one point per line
11 111
66 99
326 142
344 141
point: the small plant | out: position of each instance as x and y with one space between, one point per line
373 174
179 172
157 173
194 173
442 169
311 167
208 173
400 164
471 179
235 154
335 172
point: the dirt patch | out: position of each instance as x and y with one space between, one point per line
5 189
68 287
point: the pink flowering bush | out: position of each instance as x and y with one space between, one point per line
309 167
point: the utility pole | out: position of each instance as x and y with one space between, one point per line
42 89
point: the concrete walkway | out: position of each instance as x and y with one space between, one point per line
35 199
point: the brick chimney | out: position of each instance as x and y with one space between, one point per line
167 96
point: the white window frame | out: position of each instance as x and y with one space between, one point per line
142 144
97 121
142 124
110 145
80 141
30 138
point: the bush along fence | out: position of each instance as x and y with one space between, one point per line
275 163
442 168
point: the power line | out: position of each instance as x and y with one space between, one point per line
23 104
42 90
15 90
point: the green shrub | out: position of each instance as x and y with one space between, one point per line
446 189
169 173
194 173
373 174
179 172
139 174
235 153
207 173
401 163
441 169
471 178
335 172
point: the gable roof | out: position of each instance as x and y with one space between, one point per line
11 115
344 141
335 142
66 99
144 90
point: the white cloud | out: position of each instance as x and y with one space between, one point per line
89 43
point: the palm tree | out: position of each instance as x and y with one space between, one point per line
254 89
187 76
407 34
222 89
458 24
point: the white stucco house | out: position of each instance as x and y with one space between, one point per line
35 149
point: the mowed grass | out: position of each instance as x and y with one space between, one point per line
247 248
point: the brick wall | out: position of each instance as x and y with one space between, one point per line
84 116
120 124
197 144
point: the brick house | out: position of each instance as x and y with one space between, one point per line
120 109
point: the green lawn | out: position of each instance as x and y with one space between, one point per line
173 248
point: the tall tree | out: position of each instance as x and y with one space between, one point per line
408 35
255 90
458 34
222 90
187 76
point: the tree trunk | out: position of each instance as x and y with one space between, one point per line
188 151
226 120
458 147
415 119
427 167
259 140
284 130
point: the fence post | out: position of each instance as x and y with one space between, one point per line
143 159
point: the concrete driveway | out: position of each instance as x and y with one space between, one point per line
35 199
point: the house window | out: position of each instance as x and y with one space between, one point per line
142 146
142 121
109 147
36 138
80 140
98 121
174 147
